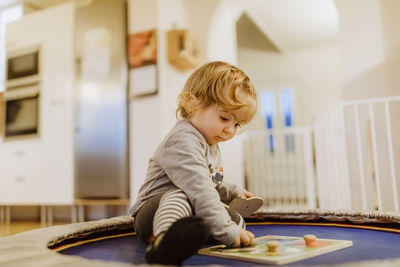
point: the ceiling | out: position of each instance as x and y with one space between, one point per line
288 24
250 36
296 24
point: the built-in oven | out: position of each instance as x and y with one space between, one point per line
23 67
21 99
21 112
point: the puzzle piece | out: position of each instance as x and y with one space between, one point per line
246 206
310 240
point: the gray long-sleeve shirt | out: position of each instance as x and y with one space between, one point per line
184 160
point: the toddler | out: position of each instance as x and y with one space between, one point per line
184 197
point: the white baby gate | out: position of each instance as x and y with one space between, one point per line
373 148
354 150
279 167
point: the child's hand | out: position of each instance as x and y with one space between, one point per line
244 239
246 194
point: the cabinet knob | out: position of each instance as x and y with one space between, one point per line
19 152
19 179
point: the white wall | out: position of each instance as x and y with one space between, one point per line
221 39
314 74
144 119
362 62
370 46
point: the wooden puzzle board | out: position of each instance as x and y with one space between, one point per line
290 249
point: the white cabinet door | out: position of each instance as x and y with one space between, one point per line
14 156
19 187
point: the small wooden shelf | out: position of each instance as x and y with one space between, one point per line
183 49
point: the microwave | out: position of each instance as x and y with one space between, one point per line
21 112
23 67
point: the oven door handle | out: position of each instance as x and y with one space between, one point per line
25 92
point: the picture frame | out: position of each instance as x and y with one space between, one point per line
142 61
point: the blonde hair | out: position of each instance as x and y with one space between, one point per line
217 83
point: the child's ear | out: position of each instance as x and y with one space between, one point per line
193 103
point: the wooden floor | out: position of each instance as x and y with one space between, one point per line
95 209
22 226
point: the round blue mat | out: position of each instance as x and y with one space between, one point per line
367 245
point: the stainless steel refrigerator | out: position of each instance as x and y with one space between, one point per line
101 138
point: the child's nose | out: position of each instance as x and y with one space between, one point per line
230 128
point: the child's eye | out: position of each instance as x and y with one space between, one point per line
237 125
224 119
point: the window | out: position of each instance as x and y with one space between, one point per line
268 107
268 110
286 107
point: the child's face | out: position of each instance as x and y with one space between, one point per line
216 124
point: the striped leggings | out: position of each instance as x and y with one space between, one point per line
161 211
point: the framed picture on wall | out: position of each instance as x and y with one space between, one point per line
142 60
